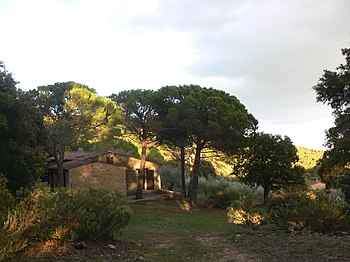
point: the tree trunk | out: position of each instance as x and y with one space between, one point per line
193 190
266 194
183 181
141 174
59 158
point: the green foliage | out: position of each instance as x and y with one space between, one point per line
207 169
64 214
21 222
221 192
206 118
117 145
244 212
97 214
140 121
333 89
221 162
96 117
269 162
302 209
125 147
216 118
22 156
74 114
172 129
7 199
170 176
140 115
334 196
223 198
308 158
345 185
155 155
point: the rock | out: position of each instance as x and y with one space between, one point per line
112 246
79 245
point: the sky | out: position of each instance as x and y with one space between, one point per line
267 53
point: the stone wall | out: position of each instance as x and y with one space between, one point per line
131 181
98 175
132 164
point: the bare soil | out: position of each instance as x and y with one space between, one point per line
53 250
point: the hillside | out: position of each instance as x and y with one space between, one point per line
223 164
308 157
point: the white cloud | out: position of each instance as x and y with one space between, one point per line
307 134
268 53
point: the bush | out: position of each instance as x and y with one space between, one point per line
170 176
345 185
64 214
243 212
7 199
334 196
20 224
217 191
303 209
100 215
221 192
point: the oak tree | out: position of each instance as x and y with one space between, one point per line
333 88
22 155
269 161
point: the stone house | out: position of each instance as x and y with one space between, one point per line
106 170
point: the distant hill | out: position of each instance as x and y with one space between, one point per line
223 164
308 157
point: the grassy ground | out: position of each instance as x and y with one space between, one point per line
167 231
169 234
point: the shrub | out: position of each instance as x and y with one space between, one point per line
7 199
64 214
100 215
303 209
221 192
345 185
243 212
20 224
170 176
334 196
217 191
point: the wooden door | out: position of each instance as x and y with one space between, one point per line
150 179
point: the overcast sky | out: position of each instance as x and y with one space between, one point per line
268 53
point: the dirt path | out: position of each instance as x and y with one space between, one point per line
229 253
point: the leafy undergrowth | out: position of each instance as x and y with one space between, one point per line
167 231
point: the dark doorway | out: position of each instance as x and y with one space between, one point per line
148 183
